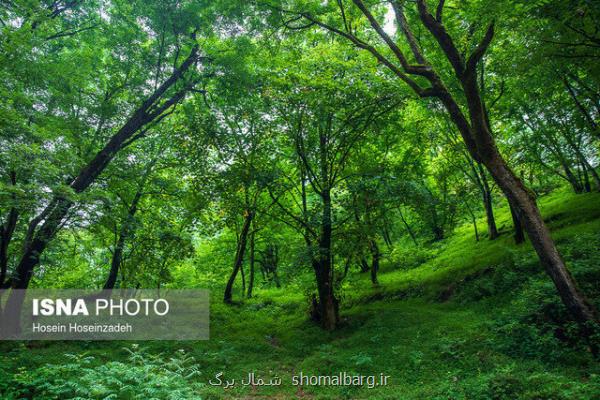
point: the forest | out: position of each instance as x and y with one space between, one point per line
399 188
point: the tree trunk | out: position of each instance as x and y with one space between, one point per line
517 224
586 178
487 204
239 256
526 207
243 273
591 170
584 162
116 261
328 304
438 232
489 212
386 235
127 228
473 220
476 133
541 240
6 233
6 236
408 228
252 262
364 264
482 146
570 176
375 261
346 269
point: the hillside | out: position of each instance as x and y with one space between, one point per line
475 320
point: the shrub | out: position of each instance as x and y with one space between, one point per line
411 257
143 376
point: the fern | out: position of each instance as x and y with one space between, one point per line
143 377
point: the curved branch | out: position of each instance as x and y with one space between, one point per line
365 46
480 50
443 38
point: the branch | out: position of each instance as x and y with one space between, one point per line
33 224
571 44
177 73
296 28
443 38
439 11
70 33
579 105
411 69
480 49
290 214
493 103
365 46
401 18
341 6
583 33
312 177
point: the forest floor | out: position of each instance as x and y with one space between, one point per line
472 320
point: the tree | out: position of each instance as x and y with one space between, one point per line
324 124
427 77
158 92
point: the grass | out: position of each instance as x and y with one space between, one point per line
473 322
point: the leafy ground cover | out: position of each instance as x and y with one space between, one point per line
472 320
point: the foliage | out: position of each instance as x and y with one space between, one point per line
141 376
291 157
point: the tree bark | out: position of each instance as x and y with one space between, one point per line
6 233
375 261
585 165
386 235
364 264
239 256
540 237
408 228
127 229
124 234
517 224
571 178
473 220
555 148
328 304
588 168
5 238
252 262
243 273
586 177
487 204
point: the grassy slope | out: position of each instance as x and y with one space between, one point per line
430 348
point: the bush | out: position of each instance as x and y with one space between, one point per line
510 383
142 377
411 257
537 325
